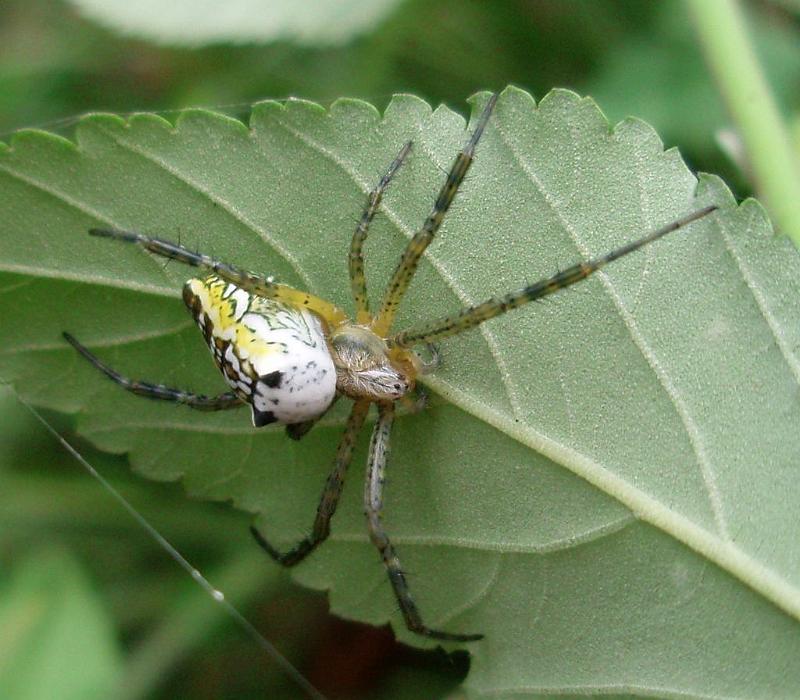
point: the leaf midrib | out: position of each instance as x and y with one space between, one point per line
638 340
722 552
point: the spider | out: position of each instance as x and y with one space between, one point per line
290 355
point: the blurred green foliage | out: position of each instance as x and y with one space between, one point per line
635 58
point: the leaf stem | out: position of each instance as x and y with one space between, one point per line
720 25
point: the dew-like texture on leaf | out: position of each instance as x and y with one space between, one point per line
201 22
605 483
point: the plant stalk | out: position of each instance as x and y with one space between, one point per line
722 30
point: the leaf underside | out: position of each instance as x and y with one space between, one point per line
605 484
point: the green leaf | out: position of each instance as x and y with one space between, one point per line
57 639
186 23
605 484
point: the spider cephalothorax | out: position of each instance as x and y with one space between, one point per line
289 354
365 367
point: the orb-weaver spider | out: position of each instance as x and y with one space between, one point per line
290 354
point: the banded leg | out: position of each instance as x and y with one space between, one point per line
475 315
200 402
330 496
249 281
358 280
373 505
417 245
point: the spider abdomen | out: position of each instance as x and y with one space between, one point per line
274 356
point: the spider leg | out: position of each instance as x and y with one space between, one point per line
158 391
417 245
358 280
297 431
475 315
330 496
373 505
433 363
249 281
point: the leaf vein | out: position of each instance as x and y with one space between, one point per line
72 203
224 204
682 410
762 304
725 553
61 274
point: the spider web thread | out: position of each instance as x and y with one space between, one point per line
215 594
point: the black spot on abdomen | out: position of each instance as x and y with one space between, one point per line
262 418
273 379
190 299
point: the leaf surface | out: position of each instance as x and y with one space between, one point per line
605 484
